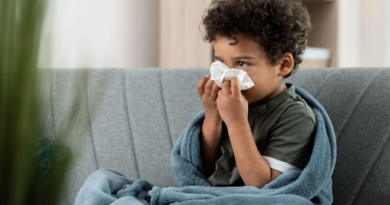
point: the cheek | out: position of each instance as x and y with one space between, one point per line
254 72
257 79
253 75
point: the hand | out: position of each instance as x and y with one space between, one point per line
209 95
232 105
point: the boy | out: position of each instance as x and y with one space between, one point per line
250 137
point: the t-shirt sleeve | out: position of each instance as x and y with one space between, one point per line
291 139
279 165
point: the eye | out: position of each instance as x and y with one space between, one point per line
241 64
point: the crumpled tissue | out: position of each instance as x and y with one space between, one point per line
220 73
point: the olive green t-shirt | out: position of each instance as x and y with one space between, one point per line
283 128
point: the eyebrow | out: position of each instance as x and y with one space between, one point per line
238 57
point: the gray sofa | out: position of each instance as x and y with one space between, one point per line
131 118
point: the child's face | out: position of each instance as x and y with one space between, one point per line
248 56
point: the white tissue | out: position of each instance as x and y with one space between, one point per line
220 73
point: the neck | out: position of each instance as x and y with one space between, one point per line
277 91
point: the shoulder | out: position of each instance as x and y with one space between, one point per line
296 107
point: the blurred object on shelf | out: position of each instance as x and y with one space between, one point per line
315 58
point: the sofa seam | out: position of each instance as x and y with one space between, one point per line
165 110
368 173
89 120
129 124
357 105
326 81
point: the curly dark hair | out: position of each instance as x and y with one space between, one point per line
279 26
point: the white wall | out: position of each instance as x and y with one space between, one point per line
364 38
100 34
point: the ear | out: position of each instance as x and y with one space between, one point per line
286 64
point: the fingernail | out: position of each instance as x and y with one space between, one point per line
206 76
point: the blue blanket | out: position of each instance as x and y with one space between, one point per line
312 185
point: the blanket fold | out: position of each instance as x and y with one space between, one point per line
312 185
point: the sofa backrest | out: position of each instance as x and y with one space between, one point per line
131 118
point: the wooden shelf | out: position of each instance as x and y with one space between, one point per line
181 44
324 26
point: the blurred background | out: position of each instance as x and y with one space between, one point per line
166 33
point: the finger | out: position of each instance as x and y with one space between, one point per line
214 90
235 87
226 87
201 84
208 87
219 94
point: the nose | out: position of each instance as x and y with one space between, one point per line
229 65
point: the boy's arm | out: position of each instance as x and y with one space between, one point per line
253 168
210 137
212 124
233 108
